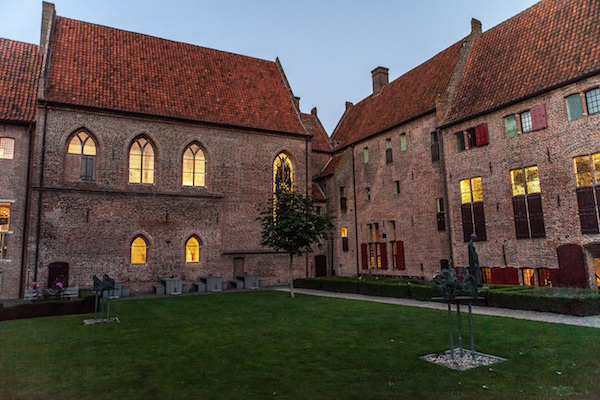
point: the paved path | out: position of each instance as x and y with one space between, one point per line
593 321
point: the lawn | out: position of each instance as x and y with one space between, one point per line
263 345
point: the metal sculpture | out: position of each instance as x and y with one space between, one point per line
102 289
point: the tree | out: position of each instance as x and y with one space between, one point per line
291 225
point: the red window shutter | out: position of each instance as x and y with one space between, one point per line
364 253
538 117
383 252
520 212
400 255
479 220
555 279
536 215
497 275
511 276
481 135
587 209
467 221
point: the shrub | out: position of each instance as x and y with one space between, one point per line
385 289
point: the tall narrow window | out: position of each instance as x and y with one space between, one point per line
194 166
460 142
592 99
344 239
4 229
527 275
83 146
388 151
141 161
526 124
343 200
435 147
192 250
441 214
283 173
139 249
473 218
7 148
397 187
366 154
368 194
471 138
403 145
392 225
587 174
574 107
527 203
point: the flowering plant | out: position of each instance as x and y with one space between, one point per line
36 285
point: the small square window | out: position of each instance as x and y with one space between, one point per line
510 126
592 99
526 124
7 148
574 108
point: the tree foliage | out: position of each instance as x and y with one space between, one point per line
291 225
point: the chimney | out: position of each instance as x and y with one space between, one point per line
297 102
475 27
348 105
314 111
380 79
48 15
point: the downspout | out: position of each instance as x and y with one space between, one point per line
39 203
449 225
355 214
26 216
306 190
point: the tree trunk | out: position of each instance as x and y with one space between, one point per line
291 278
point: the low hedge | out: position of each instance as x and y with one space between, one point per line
37 309
535 300
385 289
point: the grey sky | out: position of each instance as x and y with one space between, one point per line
327 47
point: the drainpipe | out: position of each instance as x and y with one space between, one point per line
27 207
449 225
39 203
306 188
355 214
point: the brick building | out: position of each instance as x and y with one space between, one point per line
497 135
149 158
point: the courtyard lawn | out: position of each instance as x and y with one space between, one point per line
264 345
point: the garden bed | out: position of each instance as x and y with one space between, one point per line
39 308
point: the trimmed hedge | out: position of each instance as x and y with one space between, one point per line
562 301
37 309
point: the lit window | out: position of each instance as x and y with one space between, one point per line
193 166
4 216
486 275
592 98
527 203
473 218
574 107
392 225
83 145
3 246
587 174
7 148
192 250
282 173
139 249
544 277
526 124
441 214
141 161
345 239
528 279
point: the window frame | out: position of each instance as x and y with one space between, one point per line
595 92
189 259
142 170
145 251
528 212
7 152
194 161
472 210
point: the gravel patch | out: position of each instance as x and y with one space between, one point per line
462 363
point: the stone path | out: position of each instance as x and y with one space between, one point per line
592 321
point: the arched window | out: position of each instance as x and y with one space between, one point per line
282 173
193 166
141 161
192 250
139 249
83 146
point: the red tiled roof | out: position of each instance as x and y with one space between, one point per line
550 43
331 165
317 193
412 94
320 140
108 68
19 73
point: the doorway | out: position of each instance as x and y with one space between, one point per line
572 266
238 266
320 266
58 272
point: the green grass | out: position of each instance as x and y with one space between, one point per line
263 345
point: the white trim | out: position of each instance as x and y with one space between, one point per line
6 201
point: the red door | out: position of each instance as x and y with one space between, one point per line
572 266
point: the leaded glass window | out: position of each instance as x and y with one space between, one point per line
141 161
194 166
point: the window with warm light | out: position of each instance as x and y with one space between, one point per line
473 217
194 166
527 274
587 176
83 145
4 217
141 161
139 249
527 203
192 250
344 239
283 177
7 148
